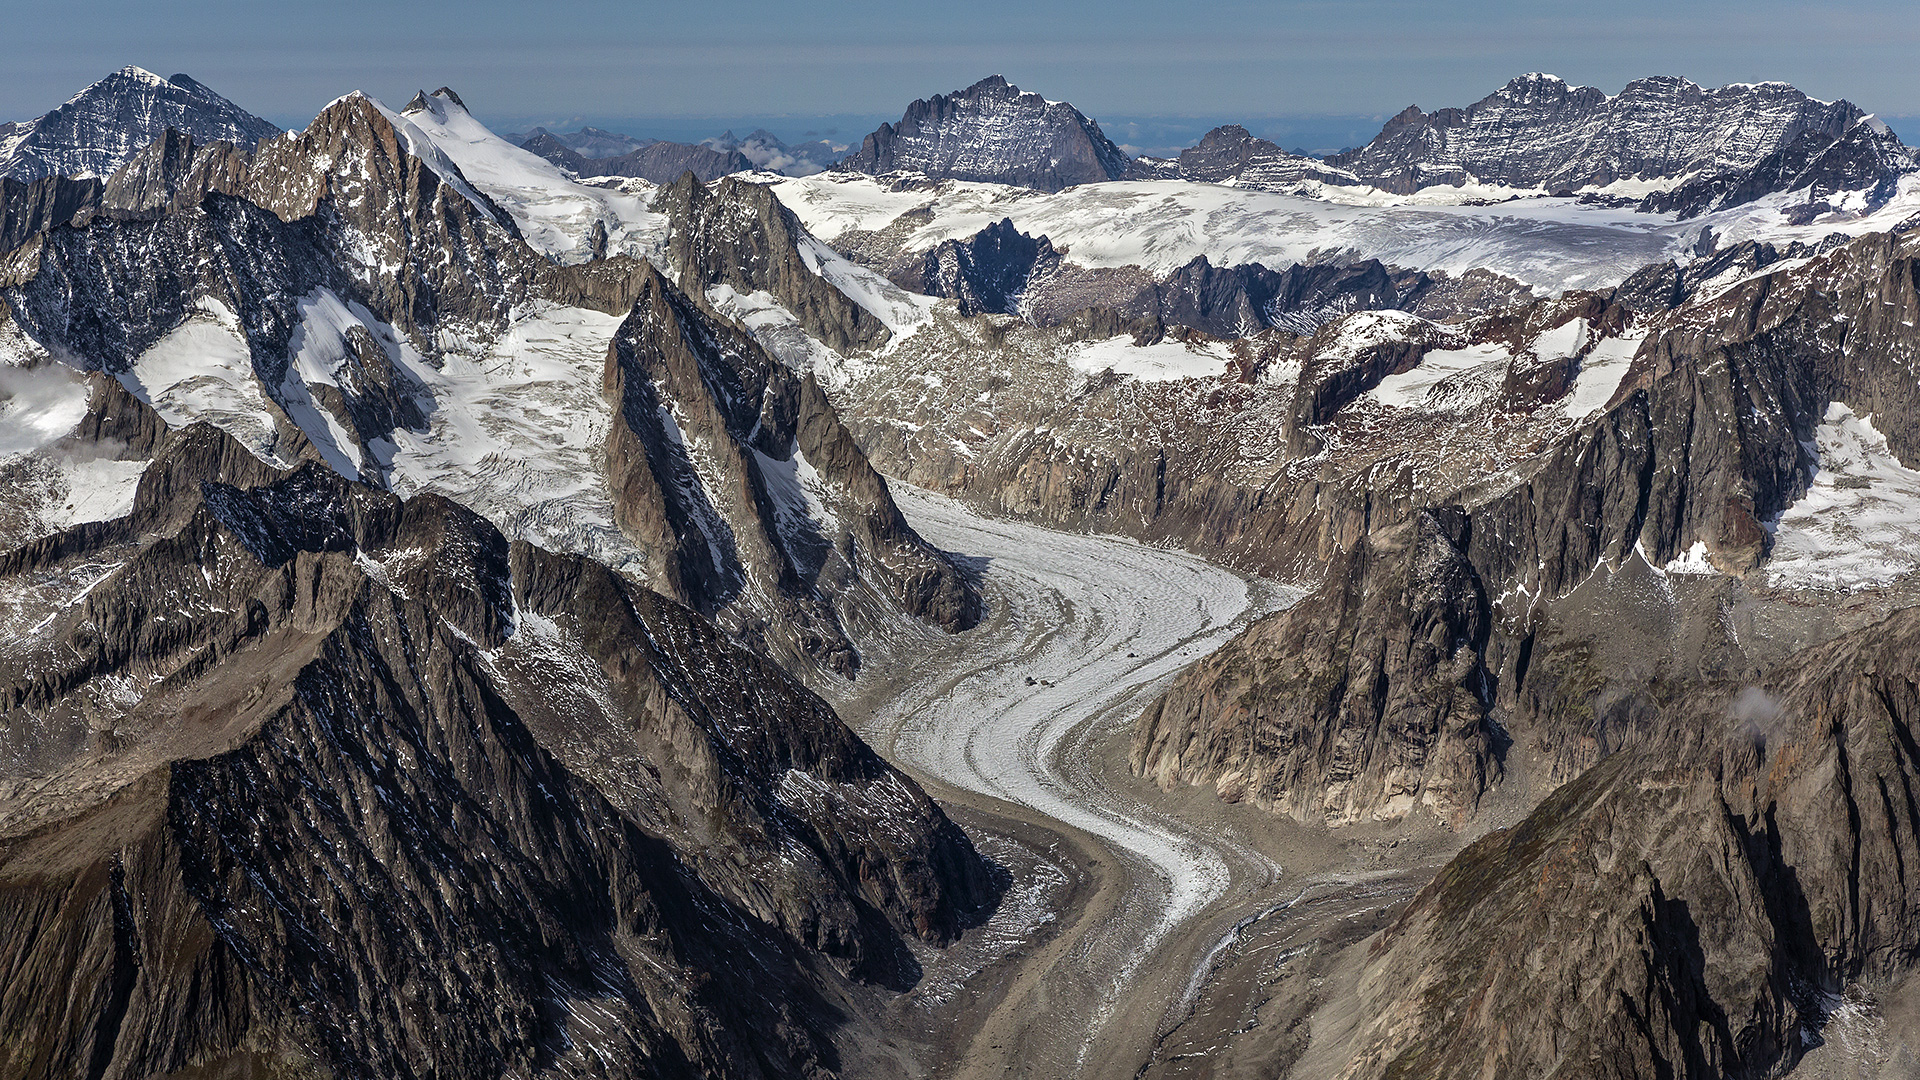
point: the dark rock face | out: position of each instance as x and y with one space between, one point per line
1232 155
1539 132
1367 698
28 208
393 797
708 461
1224 301
989 271
737 234
1710 903
992 132
109 122
1867 158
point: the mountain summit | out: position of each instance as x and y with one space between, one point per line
994 132
1539 131
102 127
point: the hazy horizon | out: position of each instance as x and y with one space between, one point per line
1300 72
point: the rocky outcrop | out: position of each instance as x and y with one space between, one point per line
1000 270
988 272
30 208
102 127
175 172
1698 451
1367 699
737 234
1697 911
992 132
1866 161
737 479
328 783
1539 132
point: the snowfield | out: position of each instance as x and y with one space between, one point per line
1858 525
1553 244
556 214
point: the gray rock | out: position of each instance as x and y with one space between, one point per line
1692 912
407 799
103 126
1539 132
992 132
1867 158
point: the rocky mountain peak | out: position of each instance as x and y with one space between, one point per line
993 132
358 148
1861 167
100 128
1539 131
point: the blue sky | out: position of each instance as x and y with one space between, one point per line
1315 68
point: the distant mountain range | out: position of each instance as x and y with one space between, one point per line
593 152
1665 143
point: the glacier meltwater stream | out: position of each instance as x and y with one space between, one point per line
1082 631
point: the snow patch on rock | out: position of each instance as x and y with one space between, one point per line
1859 523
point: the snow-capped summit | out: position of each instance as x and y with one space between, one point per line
561 218
993 131
103 126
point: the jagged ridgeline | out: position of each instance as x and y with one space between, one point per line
419 546
333 744
339 268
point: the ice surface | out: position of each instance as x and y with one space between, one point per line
900 311
1163 224
1859 523
517 429
1410 389
1600 373
1088 627
203 370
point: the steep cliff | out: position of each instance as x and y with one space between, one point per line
317 781
993 132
